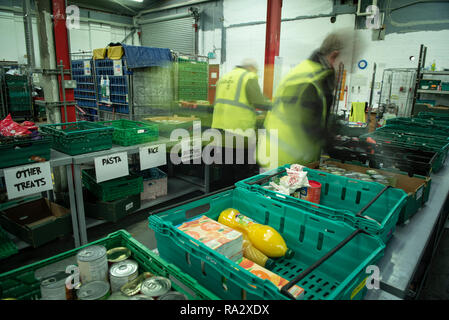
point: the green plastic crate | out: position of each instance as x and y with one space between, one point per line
309 236
414 142
111 211
407 124
128 132
429 84
22 284
80 137
342 199
7 246
15 151
417 187
433 116
112 189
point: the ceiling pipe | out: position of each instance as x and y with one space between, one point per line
363 14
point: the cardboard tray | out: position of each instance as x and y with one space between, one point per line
37 222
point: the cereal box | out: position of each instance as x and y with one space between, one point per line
263 273
215 235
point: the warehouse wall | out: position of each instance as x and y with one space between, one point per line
244 31
89 36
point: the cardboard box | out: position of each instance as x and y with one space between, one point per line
263 273
215 235
37 222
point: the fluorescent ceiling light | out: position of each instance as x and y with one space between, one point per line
138 0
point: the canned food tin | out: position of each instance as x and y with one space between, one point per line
155 286
378 177
53 287
121 273
118 254
140 297
173 295
312 193
95 290
93 264
371 172
133 287
118 296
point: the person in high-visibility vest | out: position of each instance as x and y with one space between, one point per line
238 95
300 110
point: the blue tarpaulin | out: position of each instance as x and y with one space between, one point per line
142 57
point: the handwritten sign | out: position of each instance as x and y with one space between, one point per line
111 166
25 180
152 156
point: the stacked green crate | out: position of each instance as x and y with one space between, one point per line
19 98
193 79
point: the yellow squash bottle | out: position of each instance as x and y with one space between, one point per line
264 238
253 254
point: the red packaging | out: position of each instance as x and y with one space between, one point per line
312 193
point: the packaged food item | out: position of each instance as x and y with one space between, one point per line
133 287
93 263
217 236
311 193
296 291
121 273
95 290
118 254
155 287
252 253
264 238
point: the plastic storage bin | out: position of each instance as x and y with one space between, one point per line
111 211
112 189
340 275
128 132
16 151
22 283
80 137
370 206
417 187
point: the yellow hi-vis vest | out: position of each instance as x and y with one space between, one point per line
290 117
232 109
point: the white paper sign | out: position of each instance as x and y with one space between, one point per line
118 70
111 166
25 180
152 156
87 68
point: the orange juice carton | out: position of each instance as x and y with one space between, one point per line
215 235
263 273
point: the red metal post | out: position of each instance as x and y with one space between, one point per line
272 40
62 53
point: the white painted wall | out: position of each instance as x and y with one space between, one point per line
300 37
89 36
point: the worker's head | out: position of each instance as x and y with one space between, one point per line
335 44
249 64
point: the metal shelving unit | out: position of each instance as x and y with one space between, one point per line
421 73
177 186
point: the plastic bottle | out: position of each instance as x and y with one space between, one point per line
264 238
433 66
253 254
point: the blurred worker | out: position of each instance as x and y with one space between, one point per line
301 108
238 95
